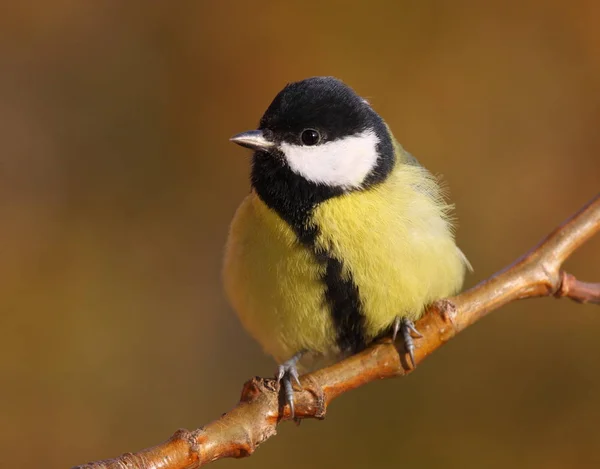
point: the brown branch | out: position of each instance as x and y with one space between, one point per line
579 291
254 419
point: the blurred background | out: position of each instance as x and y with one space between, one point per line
117 184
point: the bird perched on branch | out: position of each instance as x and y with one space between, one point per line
344 236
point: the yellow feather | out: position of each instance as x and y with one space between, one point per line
274 283
395 241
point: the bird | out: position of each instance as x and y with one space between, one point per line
344 235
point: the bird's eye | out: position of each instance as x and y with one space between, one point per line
310 137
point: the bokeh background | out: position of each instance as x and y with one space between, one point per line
117 183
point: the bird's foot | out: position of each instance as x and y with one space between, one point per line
406 327
286 373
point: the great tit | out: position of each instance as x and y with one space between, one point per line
344 236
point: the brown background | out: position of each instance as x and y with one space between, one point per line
117 184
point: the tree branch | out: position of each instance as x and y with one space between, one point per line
254 420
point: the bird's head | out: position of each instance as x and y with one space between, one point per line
318 139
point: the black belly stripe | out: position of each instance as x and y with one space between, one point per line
341 295
346 309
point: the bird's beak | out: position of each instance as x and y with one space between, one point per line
253 139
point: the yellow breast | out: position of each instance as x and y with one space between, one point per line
394 241
274 283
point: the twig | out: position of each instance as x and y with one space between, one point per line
255 418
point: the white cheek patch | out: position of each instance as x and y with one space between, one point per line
345 162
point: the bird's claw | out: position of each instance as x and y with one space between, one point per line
406 327
286 373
